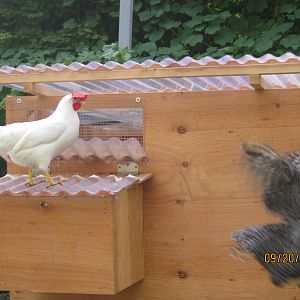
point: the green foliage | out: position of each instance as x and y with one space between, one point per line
48 32
4 296
199 28
33 32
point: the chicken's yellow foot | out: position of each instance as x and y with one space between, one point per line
30 178
50 180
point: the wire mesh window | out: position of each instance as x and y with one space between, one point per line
102 117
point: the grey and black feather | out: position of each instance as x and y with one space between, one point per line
280 178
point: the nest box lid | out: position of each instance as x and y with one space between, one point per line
12 185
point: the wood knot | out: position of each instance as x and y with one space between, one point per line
181 130
182 275
185 164
44 204
277 105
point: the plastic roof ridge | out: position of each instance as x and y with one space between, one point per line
15 185
165 63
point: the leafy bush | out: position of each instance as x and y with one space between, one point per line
33 32
47 32
216 28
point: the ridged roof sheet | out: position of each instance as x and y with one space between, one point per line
111 150
149 63
162 84
12 185
108 151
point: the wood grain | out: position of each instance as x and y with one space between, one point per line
201 192
53 248
128 237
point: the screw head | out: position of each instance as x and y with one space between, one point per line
181 130
137 99
182 274
19 100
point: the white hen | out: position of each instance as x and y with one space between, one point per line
35 144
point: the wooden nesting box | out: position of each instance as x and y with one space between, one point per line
82 243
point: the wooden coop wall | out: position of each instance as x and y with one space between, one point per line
201 192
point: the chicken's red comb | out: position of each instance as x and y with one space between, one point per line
80 96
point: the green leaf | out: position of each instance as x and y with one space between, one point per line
145 15
194 39
170 24
263 44
244 42
287 8
165 51
295 15
166 7
223 37
196 20
284 27
225 14
146 47
92 22
137 5
257 6
191 9
292 41
212 29
70 24
8 53
155 35
66 3
210 17
153 2
239 24
199 28
158 12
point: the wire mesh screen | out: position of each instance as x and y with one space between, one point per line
102 116
105 123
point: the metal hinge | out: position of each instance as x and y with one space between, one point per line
128 168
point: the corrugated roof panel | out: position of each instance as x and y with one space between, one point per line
166 63
76 185
108 151
163 84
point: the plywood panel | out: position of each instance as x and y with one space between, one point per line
129 236
200 193
50 247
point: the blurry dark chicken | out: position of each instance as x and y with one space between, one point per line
280 178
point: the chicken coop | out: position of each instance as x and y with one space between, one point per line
154 185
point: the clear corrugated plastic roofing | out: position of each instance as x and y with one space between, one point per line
111 150
161 84
13 185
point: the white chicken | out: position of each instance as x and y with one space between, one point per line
35 144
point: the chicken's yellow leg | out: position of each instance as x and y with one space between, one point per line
50 180
30 176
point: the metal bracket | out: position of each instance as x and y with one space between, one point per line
128 168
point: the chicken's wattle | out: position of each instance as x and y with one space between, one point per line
76 106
